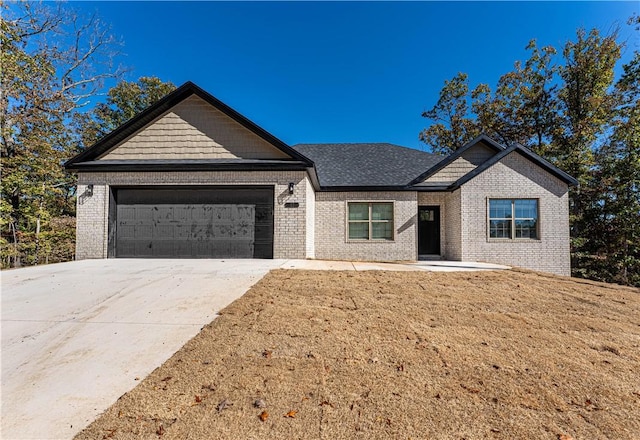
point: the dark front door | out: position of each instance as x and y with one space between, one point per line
429 230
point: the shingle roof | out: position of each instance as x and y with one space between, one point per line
367 164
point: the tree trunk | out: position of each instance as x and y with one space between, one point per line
16 257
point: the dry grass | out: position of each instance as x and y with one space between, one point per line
406 355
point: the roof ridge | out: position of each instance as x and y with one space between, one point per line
363 143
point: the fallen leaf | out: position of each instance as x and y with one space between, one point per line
166 379
291 414
263 415
470 389
198 399
260 403
160 431
223 405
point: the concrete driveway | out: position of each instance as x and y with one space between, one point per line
76 336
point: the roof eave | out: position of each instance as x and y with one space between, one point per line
177 166
351 188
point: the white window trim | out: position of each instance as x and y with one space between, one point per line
513 229
370 240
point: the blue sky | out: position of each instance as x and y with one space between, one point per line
341 71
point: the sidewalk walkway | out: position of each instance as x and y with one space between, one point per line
432 266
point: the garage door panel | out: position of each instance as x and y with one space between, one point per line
181 213
244 230
222 213
265 232
202 248
142 248
181 231
126 231
158 223
182 248
127 248
165 231
262 250
127 213
242 248
245 213
163 248
163 213
144 213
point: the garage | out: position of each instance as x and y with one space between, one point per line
191 222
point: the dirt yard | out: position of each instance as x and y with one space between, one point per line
400 355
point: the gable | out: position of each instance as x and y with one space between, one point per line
467 161
193 129
534 164
189 129
515 176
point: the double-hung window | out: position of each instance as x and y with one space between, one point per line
513 218
370 220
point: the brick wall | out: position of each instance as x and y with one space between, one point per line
317 228
331 227
310 219
290 224
515 177
453 224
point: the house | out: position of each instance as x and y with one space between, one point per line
191 178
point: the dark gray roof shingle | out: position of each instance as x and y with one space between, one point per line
367 164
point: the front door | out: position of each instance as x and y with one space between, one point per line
429 230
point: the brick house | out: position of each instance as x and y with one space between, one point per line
191 178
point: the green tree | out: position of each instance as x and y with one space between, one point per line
452 126
586 108
524 107
52 63
612 252
585 98
124 101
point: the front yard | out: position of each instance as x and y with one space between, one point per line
411 355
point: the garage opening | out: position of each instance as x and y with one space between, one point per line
191 222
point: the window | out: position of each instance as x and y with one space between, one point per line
370 221
513 218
